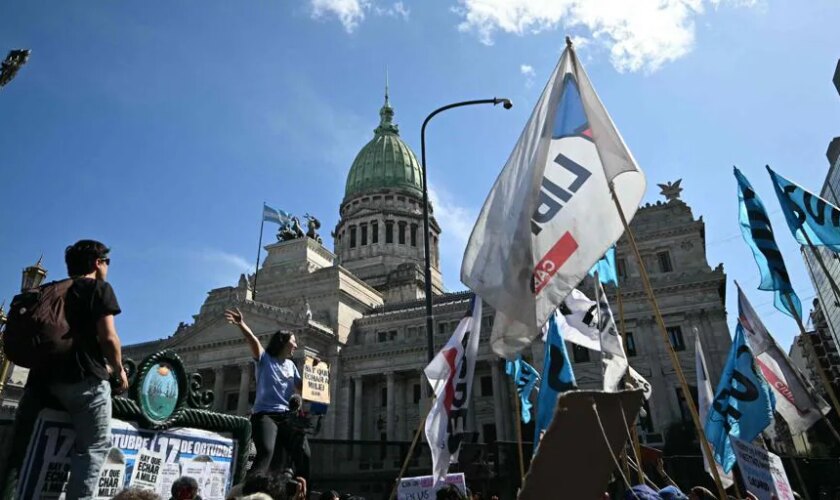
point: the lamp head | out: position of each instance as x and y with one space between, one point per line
506 103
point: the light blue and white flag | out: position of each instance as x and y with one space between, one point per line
277 216
743 404
606 268
758 233
525 377
807 213
558 376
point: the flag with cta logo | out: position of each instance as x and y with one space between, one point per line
796 400
451 375
758 233
550 215
807 214
704 402
743 404
525 378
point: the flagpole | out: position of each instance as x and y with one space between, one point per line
634 435
259 249
828 388
673 355
518 429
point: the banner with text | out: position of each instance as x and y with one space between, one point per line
146 459
423 487
762 471
316 381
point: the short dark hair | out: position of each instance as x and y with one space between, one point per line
184 487
449 492
278 342
81 256
329 495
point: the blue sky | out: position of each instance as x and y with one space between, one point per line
161 127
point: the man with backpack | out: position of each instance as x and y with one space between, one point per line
65 332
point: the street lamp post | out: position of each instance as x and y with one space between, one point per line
430 334
10 66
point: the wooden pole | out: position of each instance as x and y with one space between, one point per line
673 355
634 435
518 428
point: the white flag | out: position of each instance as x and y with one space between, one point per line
451 375
583 323
550 215
796 400
705 396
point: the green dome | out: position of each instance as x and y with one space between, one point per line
386 162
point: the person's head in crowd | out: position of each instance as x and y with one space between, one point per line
87 256
449 492
701 493
136 494
184 488
282 344
257 496
672 493
641 492
329 495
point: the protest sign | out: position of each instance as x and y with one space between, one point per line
112 477
423 487
146 472
763 472
46 466
316 381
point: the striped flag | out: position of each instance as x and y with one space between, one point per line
758 233
277 216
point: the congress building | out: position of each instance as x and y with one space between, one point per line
360 308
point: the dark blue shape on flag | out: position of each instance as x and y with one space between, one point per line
570 118
758 233
605 267
525 377
558 376
807 213
743 404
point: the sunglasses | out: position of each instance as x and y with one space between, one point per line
106 260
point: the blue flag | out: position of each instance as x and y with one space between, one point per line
525 377
276 216
557 376
743 404
758 233
807 213
606 268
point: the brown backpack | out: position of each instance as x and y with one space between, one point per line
37 332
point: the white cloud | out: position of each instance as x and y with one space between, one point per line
456 224
527 70
352 12
639 35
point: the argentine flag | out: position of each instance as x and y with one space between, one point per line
276 216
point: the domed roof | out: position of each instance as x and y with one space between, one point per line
386 162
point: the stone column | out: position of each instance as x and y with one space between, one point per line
219 388
357 409
497 401
244 386
391 407
407 392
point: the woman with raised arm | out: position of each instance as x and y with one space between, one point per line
277 401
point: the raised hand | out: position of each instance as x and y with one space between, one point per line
234 316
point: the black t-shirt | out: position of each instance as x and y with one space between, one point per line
87 301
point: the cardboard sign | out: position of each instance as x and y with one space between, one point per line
423 487
574 452
161 453
316 381
763 472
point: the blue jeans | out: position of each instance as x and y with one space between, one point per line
89 404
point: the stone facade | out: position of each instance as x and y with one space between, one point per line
375 344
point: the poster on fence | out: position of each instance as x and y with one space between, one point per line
763 472
423 487
316 381
139 457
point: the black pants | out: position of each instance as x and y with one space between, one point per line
276 432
